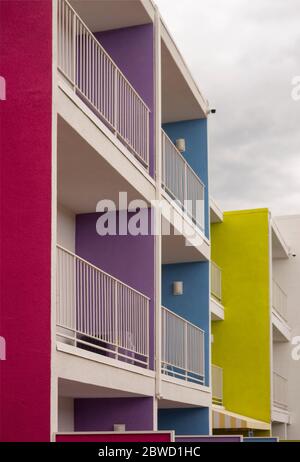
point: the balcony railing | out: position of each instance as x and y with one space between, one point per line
99 313
279 301
182 348
97 79
217 384
181 182
216 281
280 391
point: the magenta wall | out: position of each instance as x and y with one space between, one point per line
25 145
132 50
128 258
102 414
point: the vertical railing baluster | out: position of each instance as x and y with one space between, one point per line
116 326
115 117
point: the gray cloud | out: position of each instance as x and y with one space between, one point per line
244 55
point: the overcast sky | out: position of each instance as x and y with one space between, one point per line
243 54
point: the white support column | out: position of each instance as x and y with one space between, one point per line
155 411
270 311
54 381
158 173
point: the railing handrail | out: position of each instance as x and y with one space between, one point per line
101 271
280 376
183 159
280 384
106 54
216 281
217 367
217 385
280 288
216 266
183 348
183 319
277 304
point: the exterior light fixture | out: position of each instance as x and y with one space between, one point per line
119 427
177 288
180 145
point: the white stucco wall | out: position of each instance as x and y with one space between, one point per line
66 228
287 272
65 414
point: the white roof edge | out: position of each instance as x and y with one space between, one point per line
279 236
216 210
287 216
150 7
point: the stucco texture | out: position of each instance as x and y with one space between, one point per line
241 343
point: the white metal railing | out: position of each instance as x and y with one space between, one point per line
217 384
216 281
280 391
279 300
182 348
95 77
181 182
99 313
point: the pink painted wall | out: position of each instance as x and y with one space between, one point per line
115 437
25 218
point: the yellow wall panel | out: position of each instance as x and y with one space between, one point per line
240 246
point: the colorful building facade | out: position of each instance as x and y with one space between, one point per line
114 122
143 310
251 334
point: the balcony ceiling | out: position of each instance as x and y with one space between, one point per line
279 247
84 177
107 14
176 250
72 389
178 100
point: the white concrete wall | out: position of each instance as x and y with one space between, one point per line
280 430
66 228
65 414
287 272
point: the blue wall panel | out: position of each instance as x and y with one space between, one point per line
195 134
193 305
192 421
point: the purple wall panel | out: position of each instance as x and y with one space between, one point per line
209 439
128 258
132 50
102 413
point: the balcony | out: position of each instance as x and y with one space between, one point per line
280 391
281 330
181 183
280 412
279 301
97 80
216 282
100 314
216 306
182 348
217 385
